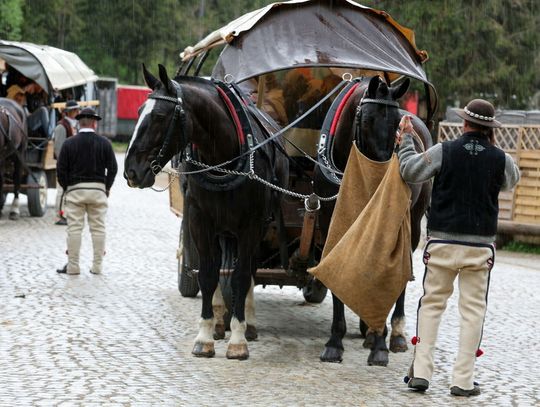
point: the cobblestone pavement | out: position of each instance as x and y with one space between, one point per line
125 337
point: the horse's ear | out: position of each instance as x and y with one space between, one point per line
373 86
401 89
150 79
165 78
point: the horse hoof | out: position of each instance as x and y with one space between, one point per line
251 333
398 344
203 350
219 332
369 341
13 216
238 351
378 358
332 355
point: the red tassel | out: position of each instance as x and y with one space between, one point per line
479 352
415 340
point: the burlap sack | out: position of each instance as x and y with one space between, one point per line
366 258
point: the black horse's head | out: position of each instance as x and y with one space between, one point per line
378 118
155 138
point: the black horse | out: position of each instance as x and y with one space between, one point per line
370 117
219 208
13 142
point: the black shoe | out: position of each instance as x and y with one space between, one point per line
62 221
458 391
418 384
63 270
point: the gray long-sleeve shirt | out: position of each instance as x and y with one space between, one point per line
420 167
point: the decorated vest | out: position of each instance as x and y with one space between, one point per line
69 130
465 192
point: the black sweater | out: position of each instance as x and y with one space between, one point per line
86 157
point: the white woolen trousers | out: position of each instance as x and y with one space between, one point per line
87 198
444 262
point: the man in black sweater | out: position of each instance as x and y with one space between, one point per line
86 169
468 174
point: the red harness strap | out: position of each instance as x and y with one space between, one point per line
232 111
340 109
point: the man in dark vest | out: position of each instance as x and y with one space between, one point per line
86 170
468 174
65 128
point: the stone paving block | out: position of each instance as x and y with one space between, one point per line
125 337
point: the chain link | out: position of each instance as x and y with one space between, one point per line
251 175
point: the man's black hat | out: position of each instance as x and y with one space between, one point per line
89 113
71 105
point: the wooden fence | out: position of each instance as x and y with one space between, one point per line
519 209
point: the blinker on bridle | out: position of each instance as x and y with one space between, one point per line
365 100
178 115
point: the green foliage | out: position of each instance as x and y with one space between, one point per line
11 18
521 247
478 48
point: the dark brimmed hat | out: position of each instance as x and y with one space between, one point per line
479 111
71 105
89 113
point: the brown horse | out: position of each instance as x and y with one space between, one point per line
13 141
370 117
225 214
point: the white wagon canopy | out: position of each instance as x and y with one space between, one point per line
55 69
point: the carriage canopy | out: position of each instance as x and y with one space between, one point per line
313 33
51 68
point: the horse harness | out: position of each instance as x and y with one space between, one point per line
327 137
219 179
6 133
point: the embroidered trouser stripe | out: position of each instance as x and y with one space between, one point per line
446 262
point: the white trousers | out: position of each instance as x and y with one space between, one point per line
88 199
444 262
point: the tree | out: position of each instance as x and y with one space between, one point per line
483 49
11 18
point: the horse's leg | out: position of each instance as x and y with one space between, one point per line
241 283
369 338
333 349
379 352
219 308
2 199
14 212
251 330
398 341
208 278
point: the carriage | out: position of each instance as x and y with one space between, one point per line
268 52
62 75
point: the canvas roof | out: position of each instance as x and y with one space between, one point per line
52 68
312 32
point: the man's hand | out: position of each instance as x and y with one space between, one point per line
405 126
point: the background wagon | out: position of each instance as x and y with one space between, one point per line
62 75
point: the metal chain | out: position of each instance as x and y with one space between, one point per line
251 175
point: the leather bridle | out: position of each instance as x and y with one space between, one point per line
366 100
179 115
